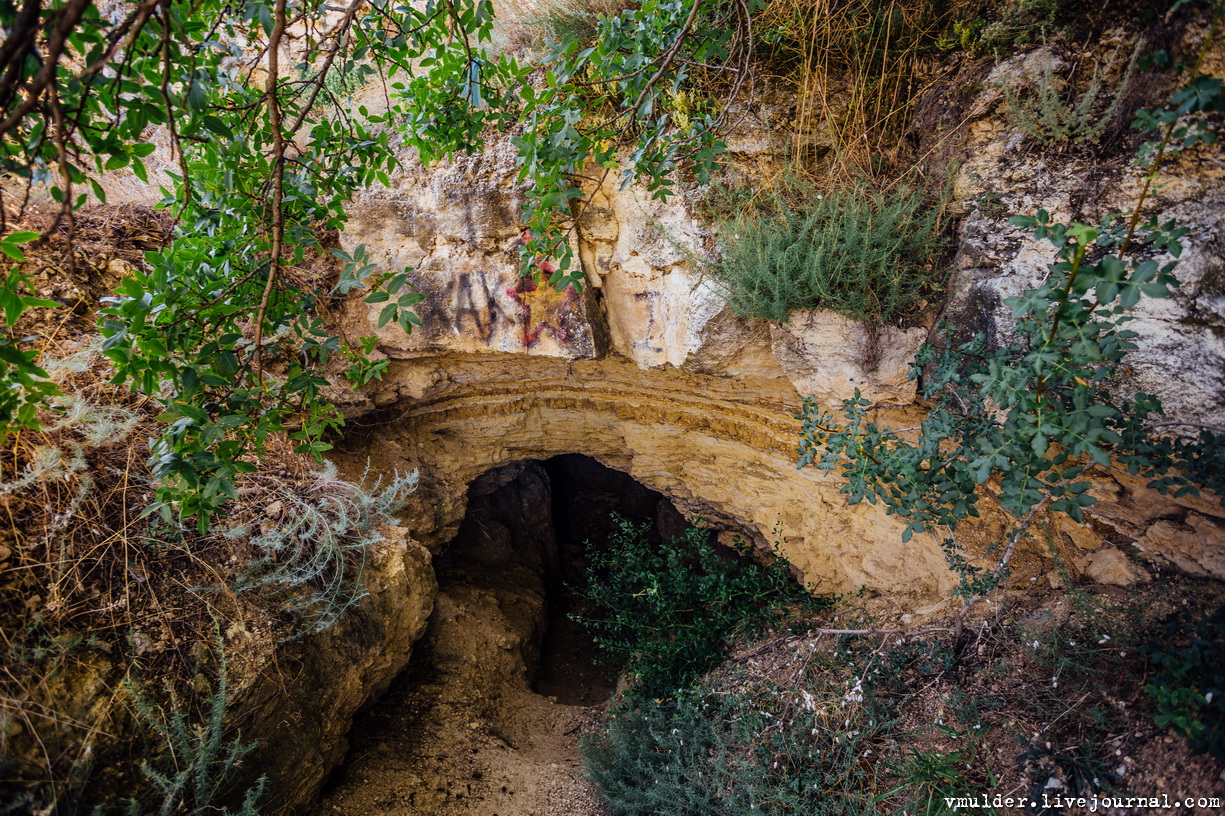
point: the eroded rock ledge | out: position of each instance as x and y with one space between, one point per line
719 448
650 373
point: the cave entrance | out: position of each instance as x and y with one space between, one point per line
486 718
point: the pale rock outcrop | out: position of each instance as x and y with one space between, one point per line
1110 566
1181 344
644 258
720 448
457 228
652 375
303 721
649 372
829 356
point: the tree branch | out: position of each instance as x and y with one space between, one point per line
278 180
70 15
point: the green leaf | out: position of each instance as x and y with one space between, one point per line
217 126
387 314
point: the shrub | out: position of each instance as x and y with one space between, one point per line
1021 23
667 610
1189 685
749 749
196 760
867 255
1048 118
1025 424
316 546
930 777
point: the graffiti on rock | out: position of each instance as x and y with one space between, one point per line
477 310
484 308
547 312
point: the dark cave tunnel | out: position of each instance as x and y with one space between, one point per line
541 516
501 661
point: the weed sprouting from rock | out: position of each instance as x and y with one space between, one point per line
193 772
867 255
1048 117
314 545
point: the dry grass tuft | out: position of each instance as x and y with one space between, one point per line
98 599
857 67
524 25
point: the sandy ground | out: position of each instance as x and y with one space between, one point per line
463 733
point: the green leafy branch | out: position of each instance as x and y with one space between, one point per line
589 108
23 384
223 325
1027 424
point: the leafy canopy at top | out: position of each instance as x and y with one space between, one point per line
267 149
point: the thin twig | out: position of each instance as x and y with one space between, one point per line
278 181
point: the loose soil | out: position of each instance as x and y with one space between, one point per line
463 733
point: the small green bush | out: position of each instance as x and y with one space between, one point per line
754 750
1189 683
1019 24
666 611
867 255
930 777
1047 117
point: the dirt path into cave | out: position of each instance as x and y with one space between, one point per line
462 733
487 719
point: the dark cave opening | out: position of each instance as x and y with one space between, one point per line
489 708
543 515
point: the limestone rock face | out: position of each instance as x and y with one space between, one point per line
720 448
829 356
648 298
457 227
302 724
649 372
1110 566
1181 344
643 259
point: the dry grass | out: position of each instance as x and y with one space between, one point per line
858 67
97 599
91 592
79 269
524 25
